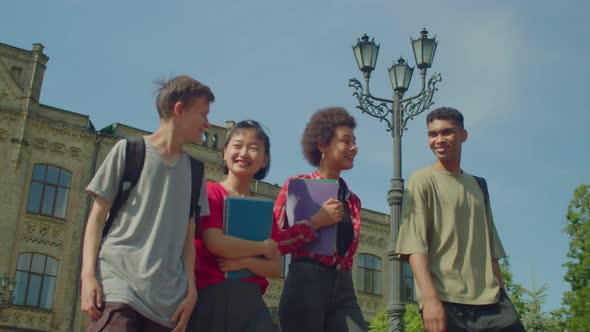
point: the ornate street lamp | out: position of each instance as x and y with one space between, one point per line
366 53
424 49
395 113
400 75
7 286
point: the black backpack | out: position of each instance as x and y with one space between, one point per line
484 188
134 160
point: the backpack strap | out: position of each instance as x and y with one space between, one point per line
134 160
197 171
484 188
486 195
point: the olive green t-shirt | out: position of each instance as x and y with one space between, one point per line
444 217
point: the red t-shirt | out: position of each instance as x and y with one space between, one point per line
206 269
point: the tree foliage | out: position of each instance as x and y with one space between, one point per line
577 301
535 319
412 320
514 289
380 322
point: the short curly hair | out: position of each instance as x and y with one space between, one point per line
321 129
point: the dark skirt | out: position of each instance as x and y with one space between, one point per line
230 306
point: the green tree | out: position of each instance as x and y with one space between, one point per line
535 319
412 320
514 289
577 301
380 322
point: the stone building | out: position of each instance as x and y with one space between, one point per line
47 157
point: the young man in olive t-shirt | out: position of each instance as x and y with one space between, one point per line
448 235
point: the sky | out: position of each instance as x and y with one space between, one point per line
516 69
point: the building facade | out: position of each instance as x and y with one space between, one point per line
47 157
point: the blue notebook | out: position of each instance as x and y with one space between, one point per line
305 197
248 218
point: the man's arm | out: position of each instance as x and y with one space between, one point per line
498 272
433 312
183 313
91 298
228 246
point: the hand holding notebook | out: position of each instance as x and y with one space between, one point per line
305 197
330 213
248 218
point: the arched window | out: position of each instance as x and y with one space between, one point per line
369 274
205 139
408 292
36 275
214 142
286 262
50 190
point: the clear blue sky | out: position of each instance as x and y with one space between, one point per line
515 68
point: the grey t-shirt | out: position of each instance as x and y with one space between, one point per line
140 260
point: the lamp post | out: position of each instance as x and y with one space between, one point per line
395 113
7 286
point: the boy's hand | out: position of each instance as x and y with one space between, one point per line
183 313
91 298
